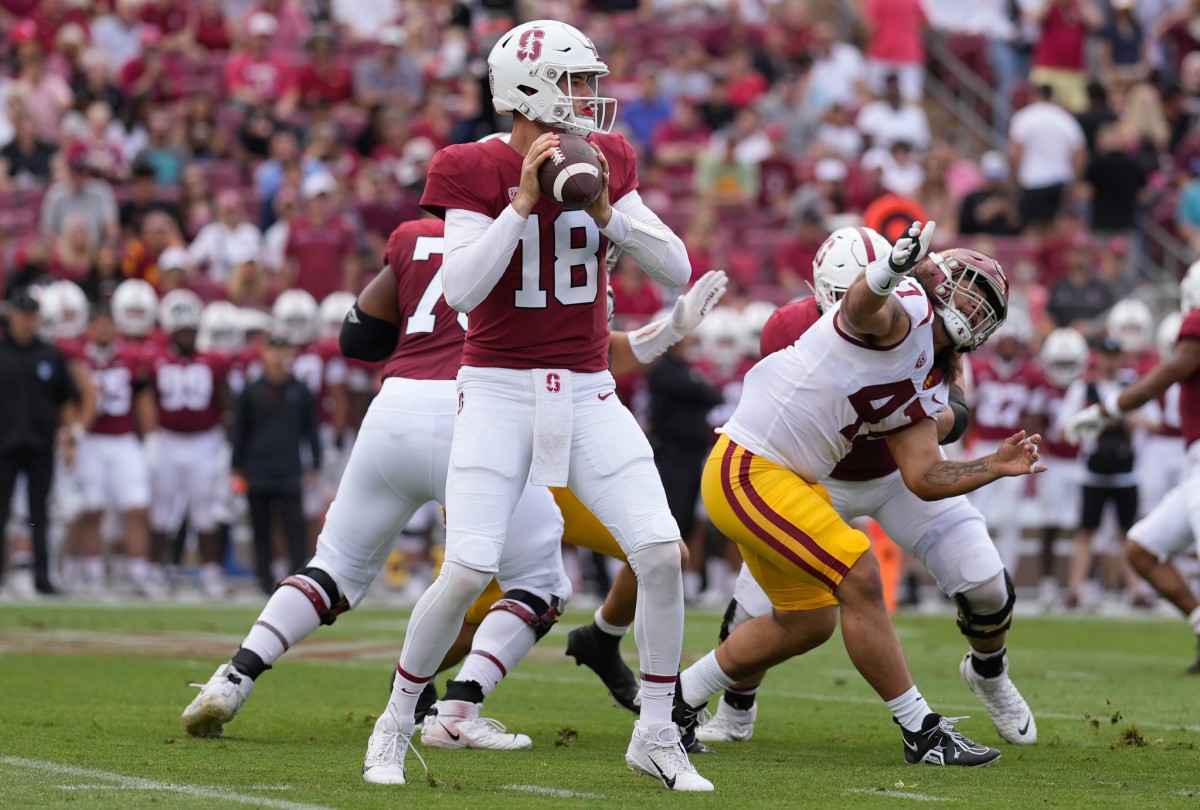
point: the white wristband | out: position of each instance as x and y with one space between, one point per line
653 339
1110 405
881 279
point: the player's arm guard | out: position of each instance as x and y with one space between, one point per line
639 232
962 415
478 250
365 337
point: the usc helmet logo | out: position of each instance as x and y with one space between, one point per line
531 45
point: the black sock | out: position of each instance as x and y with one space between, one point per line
249 664
470 691
743 701
990 667
603 639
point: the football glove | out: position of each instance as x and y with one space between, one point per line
906 253
690 308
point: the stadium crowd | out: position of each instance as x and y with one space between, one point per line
258 153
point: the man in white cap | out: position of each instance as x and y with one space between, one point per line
321 253
255 75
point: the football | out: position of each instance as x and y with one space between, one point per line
571 176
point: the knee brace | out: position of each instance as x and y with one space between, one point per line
531 609
727 623
338 604
986 625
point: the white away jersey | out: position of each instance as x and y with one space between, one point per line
803 406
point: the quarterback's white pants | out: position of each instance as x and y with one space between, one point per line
399 463
187 474
112 472
1162 462
949 536
1174 523
611 467
1059 489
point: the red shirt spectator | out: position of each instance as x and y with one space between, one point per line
209 27
256 74
896 28
1064 34
321 247
322 81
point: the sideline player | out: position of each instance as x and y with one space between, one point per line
1174 523
536 400
949 536
863 369
400 463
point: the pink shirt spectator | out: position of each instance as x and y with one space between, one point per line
898 27
46 97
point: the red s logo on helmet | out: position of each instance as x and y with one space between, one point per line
531 45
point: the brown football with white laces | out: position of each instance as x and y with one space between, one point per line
571 176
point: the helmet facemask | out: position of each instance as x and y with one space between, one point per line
964 281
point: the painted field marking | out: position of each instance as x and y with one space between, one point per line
556 792
899 794
117 781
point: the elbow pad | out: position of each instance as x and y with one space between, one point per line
365 337
962 415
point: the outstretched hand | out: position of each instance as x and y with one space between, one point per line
911 247
1018 455
691 307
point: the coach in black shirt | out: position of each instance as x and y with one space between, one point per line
37 395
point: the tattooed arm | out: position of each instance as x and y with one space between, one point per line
931 477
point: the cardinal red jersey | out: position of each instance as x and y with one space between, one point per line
431 333
1172 417
549 309
186 389
1189 389
244 367
1005 395
320 366
1049 404
118 372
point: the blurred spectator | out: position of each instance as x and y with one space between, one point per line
745 83
293 26
892 119
321 251
896 170
1047 148
794 259
778 179
248 284
773 58
322 81
171 268
204 137
1059 57
31 263
684 75
1122 47
165 150
229 234
1079 296
895 37
74 251
390 76
142 200
716 109
1180 33
274 420
723 180
1187 210
679 142
80 193
643 113
142 254
935 196
196 205
838 70
826 195
25 160
1117 181
67 51
156 75
838 133
1176 110
1143 128
103 142
751 144
1097 114
105 274
286 206
44 95
208 27
362 20
787 105
635 295
257 75
993 208
118 34
95 82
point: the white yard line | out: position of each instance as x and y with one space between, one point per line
117 781
899 794
556 792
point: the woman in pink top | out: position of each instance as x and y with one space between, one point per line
894 33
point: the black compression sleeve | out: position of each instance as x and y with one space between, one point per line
365 337
962 415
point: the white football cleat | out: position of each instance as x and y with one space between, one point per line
457 724
384 763
656 750
1003 702
728 724
217 703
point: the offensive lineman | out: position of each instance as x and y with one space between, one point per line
948 536
866 367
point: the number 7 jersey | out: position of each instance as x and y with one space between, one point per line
802 407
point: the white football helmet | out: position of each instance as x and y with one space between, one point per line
754 318
841 258
221 328
1017 326
134 307
1131 324
1189 290
979 279
295 317
333 312
526 65
251 320
180 309
722 337
64 311
1064 356
1168 333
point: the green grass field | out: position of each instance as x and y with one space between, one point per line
90 698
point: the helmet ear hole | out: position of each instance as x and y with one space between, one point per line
527 90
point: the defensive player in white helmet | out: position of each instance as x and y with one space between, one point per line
948 536
1064 359
221 328
64 311
1173 527
1131 323
1163 444
333 311
134 308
